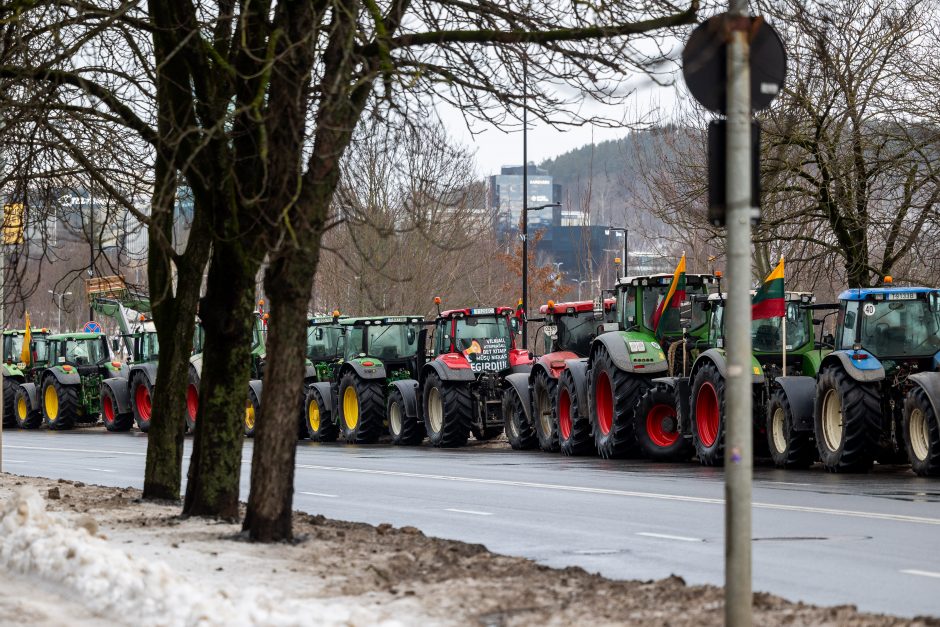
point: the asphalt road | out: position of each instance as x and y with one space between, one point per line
872 541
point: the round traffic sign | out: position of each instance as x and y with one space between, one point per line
91 327
704 62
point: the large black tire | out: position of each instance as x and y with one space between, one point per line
319 420
27 416
708 415
543 411
921 433
486 433
788 448
361 408
110 412
192 400
574 428
141 401
847 421
657 426
9 401
405 430
518 429
252 413
448 412
613 395
59 404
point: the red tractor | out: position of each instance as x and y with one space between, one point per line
569 329
460 388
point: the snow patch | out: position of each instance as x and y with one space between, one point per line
113 583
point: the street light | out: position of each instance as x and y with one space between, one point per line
626 235
525 255
588 281
61 296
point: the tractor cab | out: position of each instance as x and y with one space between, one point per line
482 339
13 346
638 299
571 327
86 352
392 341
323 339
145 345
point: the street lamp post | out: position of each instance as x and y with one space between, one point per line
60 296
525 255
626 235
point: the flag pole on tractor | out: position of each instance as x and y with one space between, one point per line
770 302
674 296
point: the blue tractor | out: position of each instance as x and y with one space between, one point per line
877 395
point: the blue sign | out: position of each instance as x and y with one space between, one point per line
92 327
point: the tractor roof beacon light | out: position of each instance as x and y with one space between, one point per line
888 280
437 302
335 315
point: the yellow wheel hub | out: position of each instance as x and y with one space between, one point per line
21 408
51 399
351 407
249 414
313 415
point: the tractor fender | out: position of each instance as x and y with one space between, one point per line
310 373
717 357
31 393
364 372
578 368
149 370
255 385
448 374
616 345
195 362
325 393
868 370
64 378
121 391
681 387
519 381
409 392
929 382
521 369
801 395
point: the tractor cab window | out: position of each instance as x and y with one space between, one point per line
85 352
198 339
627 305
715 325
40 348
697 314
900 327
352 347
148 347
767 334
847 321
652 297
256 334
575 332
393 341
12 347
478 328
322 342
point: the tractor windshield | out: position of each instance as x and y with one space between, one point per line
575 332
653 295
324 347
84 352
900 327
767 334
393 341
481 328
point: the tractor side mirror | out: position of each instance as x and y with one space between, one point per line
411 335
115 344
318 334
514 323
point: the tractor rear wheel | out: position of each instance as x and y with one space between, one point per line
27 416
405 430
658 427
10 386
613 396
252 412
361 408
847 421
319 420
574 428
59 404
518 429
708 411
546 425
921 433
110 412
141 401
448 411
192 400
788 448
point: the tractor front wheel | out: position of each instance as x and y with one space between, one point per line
847 421
141 401
448 412
10 385
658 427
518 429
708 411
614 395
110 412
319 420
921 433
788 448
405 430
574 428
59 404
361 408
543 394
27 416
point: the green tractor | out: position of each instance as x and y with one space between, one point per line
16 372
68 387
597 396
378 352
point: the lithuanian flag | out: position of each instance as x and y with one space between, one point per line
27 338
520 313
768 302
674 296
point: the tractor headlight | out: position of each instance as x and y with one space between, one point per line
637 347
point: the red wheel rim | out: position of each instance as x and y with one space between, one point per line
706 414
142 400
604 401
108 409
564 413
656 425
192 401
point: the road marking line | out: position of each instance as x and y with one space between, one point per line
329 496
72 450
469 511
921 573
100 470
641 495
666 536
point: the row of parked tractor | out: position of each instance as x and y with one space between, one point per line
618 376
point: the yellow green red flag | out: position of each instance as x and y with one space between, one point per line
768 302
674 296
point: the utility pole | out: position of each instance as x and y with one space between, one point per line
525 200
738 436
91 245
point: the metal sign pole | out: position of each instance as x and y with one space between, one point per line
738 435
2 328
